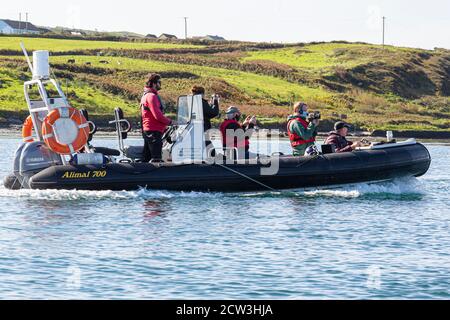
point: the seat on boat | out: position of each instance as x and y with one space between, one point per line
107 151
134 152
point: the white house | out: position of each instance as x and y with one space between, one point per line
210 38
166 36
213 38
18 27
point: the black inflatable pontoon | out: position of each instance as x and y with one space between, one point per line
294 172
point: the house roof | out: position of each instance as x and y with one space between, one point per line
150 36
166 35
21 25
210 38
217 38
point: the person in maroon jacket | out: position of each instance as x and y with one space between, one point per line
154 122
338 138
232 124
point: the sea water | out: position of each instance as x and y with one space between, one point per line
384 240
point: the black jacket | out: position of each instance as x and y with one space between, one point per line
209 112
340 143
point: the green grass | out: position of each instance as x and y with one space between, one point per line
13 43
258 86
326 55
254 91
80 96
96 101
11 91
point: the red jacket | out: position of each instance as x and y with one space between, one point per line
237 143
153 118
295 138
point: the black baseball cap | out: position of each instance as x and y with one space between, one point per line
341 124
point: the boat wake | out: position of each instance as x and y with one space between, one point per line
64 195
403 188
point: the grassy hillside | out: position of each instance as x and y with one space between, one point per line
374 88
61 45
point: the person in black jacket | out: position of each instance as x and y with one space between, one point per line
338 139
210 111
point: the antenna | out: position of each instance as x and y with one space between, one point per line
384 28
20 22
26 23
26 56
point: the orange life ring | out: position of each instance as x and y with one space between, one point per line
27 130
70 144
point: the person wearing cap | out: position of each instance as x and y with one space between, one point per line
231 122
339 140
302 133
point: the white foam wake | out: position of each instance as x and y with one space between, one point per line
401 186
94 195
395 187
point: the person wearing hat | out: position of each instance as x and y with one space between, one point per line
339 140
231 122
302 133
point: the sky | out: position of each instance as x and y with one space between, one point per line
410 23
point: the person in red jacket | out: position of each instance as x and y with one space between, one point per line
154 122
232 140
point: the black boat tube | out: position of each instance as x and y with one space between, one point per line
294 172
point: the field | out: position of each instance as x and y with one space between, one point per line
62 45
375 88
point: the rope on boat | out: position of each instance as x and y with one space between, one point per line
247 177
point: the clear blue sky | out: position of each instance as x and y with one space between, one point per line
413 23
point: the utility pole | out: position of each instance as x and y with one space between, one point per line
384 28
20 22
26 23
185 27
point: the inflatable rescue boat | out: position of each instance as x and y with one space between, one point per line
60 156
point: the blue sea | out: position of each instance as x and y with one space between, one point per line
366 241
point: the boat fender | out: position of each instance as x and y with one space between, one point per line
27 130
89 159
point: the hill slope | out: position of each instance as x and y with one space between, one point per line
374 88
